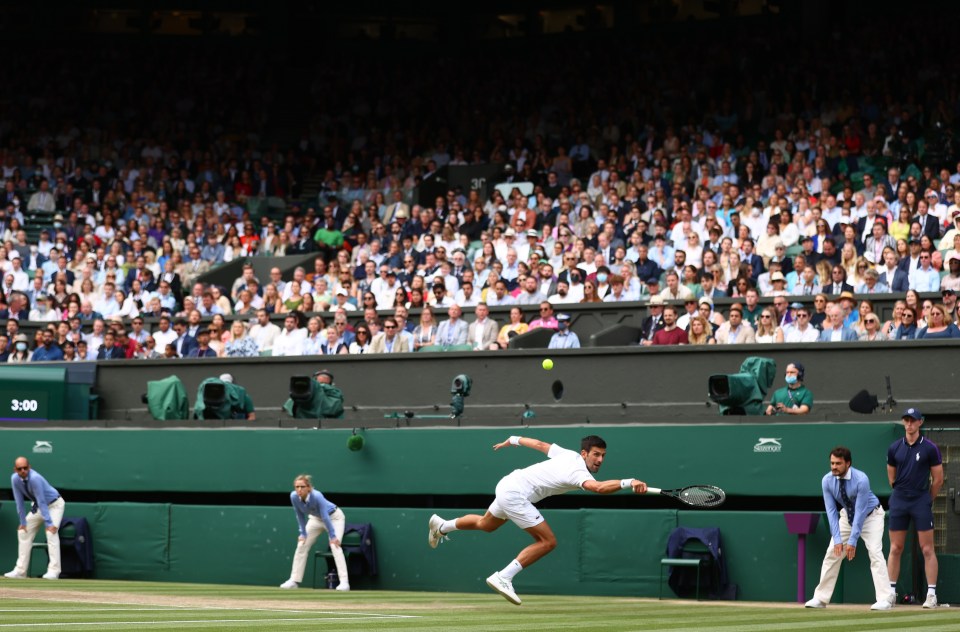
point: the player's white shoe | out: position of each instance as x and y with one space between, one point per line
344 586
434 537
814 603
892 599
504 587
15 575
883 604
289 584
931 601
49 575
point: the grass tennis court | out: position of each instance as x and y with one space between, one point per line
113 605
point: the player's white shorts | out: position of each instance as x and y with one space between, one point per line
513 505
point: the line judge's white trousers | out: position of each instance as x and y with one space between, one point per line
315 527
26 537
872 536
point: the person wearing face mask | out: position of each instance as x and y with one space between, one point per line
564 338
21 350
794 398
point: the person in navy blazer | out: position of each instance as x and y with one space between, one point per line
835 322
901 281
109 350
184 342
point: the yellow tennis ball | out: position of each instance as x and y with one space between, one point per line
547 364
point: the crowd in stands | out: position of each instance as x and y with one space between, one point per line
813 198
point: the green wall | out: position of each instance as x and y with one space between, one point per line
613 551
405 461
602 552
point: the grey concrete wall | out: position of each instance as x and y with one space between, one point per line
625 384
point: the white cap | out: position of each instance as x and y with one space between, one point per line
226 377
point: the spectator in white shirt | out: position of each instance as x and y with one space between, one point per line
289 342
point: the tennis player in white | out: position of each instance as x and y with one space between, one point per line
564 471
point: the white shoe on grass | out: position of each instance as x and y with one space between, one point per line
883 604
15 575
814 603
49 575
289 584
504 587
931 601
434 537
345 587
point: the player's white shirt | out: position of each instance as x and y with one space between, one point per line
564 471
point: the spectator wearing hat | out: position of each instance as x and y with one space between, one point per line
778 284
951 281
794 398
45 311
21 349
564 338
525 249
654 320
949 238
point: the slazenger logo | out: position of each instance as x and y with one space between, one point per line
768 444
42 447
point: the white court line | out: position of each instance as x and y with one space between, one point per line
213 621
167 609
181 608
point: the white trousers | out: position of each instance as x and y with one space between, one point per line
872 536
315 527
26 537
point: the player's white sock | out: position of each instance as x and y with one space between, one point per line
448 526
893 586
510 570
932 590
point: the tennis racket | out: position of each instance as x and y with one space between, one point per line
694 495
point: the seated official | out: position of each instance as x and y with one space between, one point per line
794 398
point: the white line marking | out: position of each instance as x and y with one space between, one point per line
213 621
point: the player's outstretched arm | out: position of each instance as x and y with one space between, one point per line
526 442
615 485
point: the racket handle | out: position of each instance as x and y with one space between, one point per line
653 490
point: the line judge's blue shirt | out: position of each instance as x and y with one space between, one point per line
316 505
858 491
37 491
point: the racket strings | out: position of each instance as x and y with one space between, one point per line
702 496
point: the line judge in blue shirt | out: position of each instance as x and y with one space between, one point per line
860 515
315 514
46 509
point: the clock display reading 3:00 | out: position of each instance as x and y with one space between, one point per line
24 405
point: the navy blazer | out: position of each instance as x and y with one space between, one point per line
901 281
189 344
113 353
